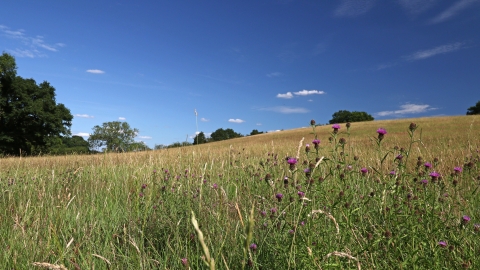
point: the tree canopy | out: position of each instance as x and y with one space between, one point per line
115 136
474 109
30 118
256 132
344 116
200 138
224 134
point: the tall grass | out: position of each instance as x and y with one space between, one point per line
239 204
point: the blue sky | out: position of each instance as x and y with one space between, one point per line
250 64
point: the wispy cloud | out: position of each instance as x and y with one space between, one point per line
29 46
285 109
274 74
259 124
287 95
453 10
145 137
407 109
122 118
417 6
238 121
83 115
385 66
353 8
95 71
437 50
82 134
304 92
204 119
309 92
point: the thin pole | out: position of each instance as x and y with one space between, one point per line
196 123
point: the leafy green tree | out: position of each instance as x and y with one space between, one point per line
30 118
69 145
474 109
200 138
115 136
255 132
344 116
159 146
221 134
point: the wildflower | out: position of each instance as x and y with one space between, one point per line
302 223
335 127
154 171
273 210
392 172
307 148
215 186
457 170
285 180
476 227
316 142
144 186
348 125
307 171
184 262
253 247
412 126
301 194
424 182
291 231
342 141
434 176
292 162
312 122
442 244
427 165
263 213
279 196
364 171
399 157
465 219
141 194
381 132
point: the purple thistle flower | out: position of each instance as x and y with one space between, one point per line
392 172
301 194
476 227
273 210
424 182
465 219
427 165
144 186
291 231
292 161
184 261
215 186
364 171
316 142
336 126
263 213
457 170
442 244
279 196
307 148
253 247
381 131
141 194
434 176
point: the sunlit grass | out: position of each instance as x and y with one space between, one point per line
134 210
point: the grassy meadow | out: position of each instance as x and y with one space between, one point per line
258 202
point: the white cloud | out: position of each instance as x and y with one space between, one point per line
259 124
274 74
353 8
453 10
83 115
30 46
310 100
95 71
407 109
145 137
238 121
287 95
417 6
309 92
285 109
204 119
122 118
82 134
437 50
